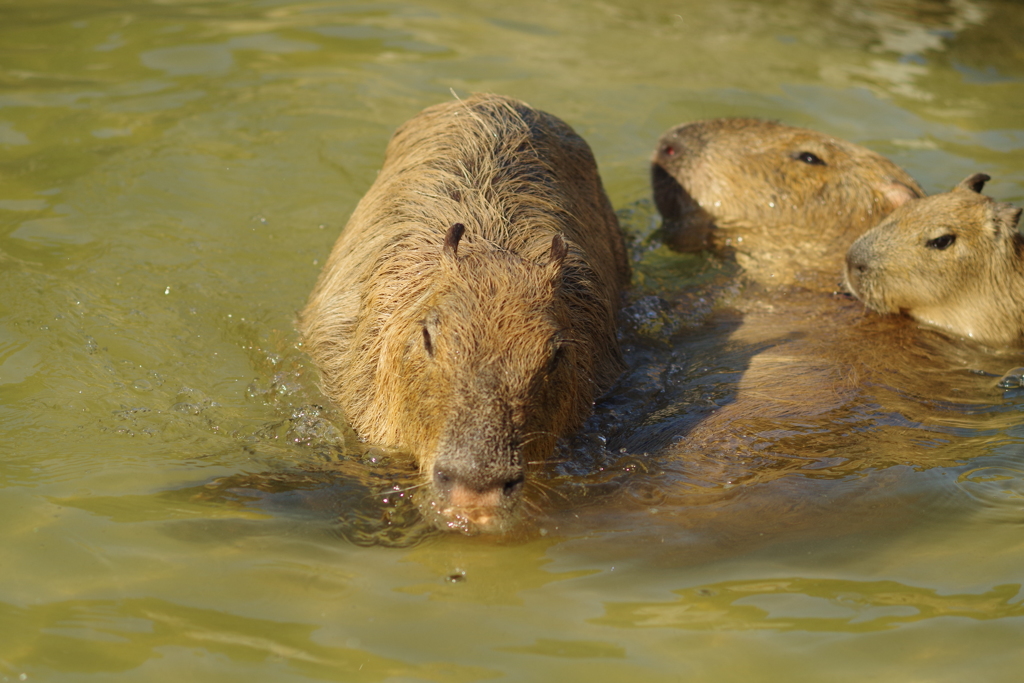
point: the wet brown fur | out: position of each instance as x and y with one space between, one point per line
473 352
787 201
953 260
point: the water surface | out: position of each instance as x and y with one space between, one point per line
174 502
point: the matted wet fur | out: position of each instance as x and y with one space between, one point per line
466 314
786 201
953 260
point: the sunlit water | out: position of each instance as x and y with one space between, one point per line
176 502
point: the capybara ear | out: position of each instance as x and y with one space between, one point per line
973 183
559 250
1007 216
899 193
451 239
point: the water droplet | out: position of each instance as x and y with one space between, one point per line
1014 379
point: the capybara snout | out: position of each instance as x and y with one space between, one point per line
467 312
953 260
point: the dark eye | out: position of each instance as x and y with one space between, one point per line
428 344
809 158
940 243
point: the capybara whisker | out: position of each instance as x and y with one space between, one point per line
472 298
406 489
533 434
546 490
527 439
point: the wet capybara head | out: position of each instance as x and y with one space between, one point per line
467 312
783 199
953 260
484 372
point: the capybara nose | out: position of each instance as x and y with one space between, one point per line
479 500
513 486
479 507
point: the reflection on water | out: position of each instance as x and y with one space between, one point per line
997 489
777 480
125 635
817 605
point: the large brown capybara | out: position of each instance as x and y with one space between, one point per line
467 312
788 202
953 260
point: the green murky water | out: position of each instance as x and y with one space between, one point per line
174 505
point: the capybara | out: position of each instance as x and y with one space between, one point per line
466 314
788 202
953 260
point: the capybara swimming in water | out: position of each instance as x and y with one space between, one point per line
953 260
467 311
787 201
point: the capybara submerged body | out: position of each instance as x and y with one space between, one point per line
787 201
467 312
953 260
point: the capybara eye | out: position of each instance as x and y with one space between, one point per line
428 343
809 158
940 243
